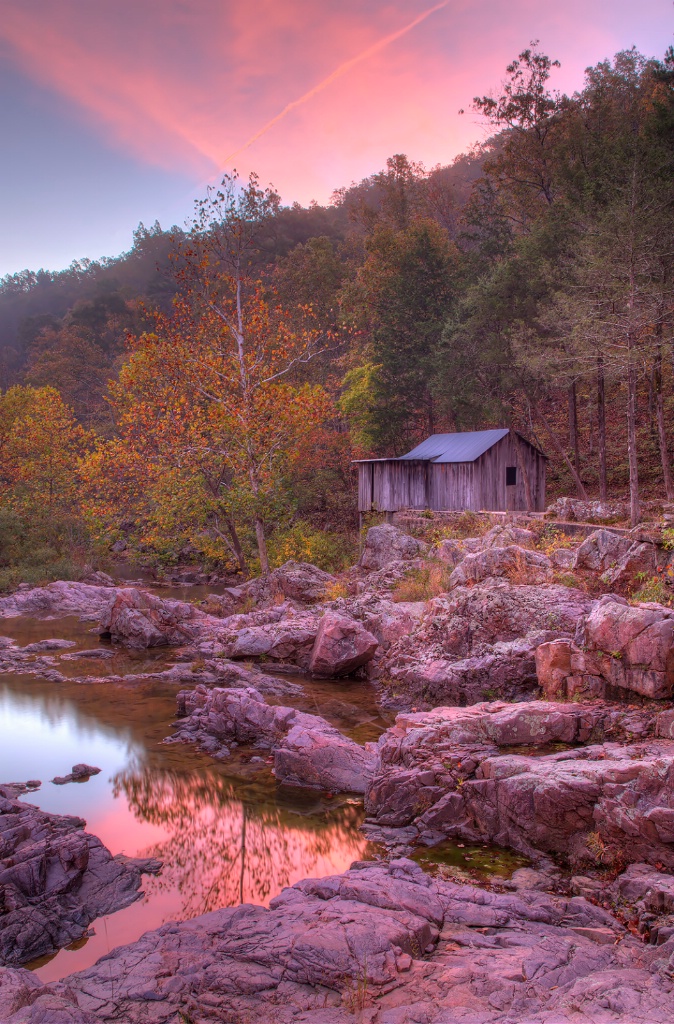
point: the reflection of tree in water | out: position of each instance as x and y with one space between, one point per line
223 851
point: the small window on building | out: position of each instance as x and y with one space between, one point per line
511 476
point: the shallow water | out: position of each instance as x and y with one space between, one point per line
468 862
226 831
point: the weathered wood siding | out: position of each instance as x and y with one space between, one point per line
391 484
495 494
453 486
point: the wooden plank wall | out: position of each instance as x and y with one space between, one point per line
453 486
491 467
390 485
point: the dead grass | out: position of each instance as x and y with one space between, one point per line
653 589
519 574
434 528
550 540
423 584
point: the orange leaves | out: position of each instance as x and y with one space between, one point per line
208 403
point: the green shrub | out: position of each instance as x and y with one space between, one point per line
654 589
330 551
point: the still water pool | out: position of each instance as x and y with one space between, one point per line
226 832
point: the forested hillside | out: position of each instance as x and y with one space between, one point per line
202 396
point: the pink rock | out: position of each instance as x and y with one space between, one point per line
634 647
386 543
342 646
512 561
626 648
140 620
563 670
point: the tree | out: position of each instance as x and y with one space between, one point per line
212 394
530 118
400 301
620 191
244 362
41 444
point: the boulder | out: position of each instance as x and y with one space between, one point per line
602 550
386 543
479 642
638 562
633 647
588 511
642 882
78 773
451 552
55 879
313 753
520 565
505 536
308 751
140 620
59 600
290 640
99 579
342 645
300 581
563 558
388 621
508 671
626 648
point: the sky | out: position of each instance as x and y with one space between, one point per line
121 111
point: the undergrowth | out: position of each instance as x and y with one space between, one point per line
329 550
654 589
38 553
423 584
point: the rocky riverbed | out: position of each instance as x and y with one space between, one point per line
532 716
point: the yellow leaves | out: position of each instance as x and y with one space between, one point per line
210 415
41 445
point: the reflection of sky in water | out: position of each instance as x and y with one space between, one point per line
225 832
40 742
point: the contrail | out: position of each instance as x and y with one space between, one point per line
341 70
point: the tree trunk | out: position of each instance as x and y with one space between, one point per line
573 426
262 546
660 416
238 550
635 508
559 448
651 401
601 425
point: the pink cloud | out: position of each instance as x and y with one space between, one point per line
181 85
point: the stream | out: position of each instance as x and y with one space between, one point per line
226 831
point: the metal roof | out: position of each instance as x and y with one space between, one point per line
462 447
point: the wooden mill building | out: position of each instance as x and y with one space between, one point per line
476 470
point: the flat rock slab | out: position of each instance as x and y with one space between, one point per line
480 774
384 944
55 879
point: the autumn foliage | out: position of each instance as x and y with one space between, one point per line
207 430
